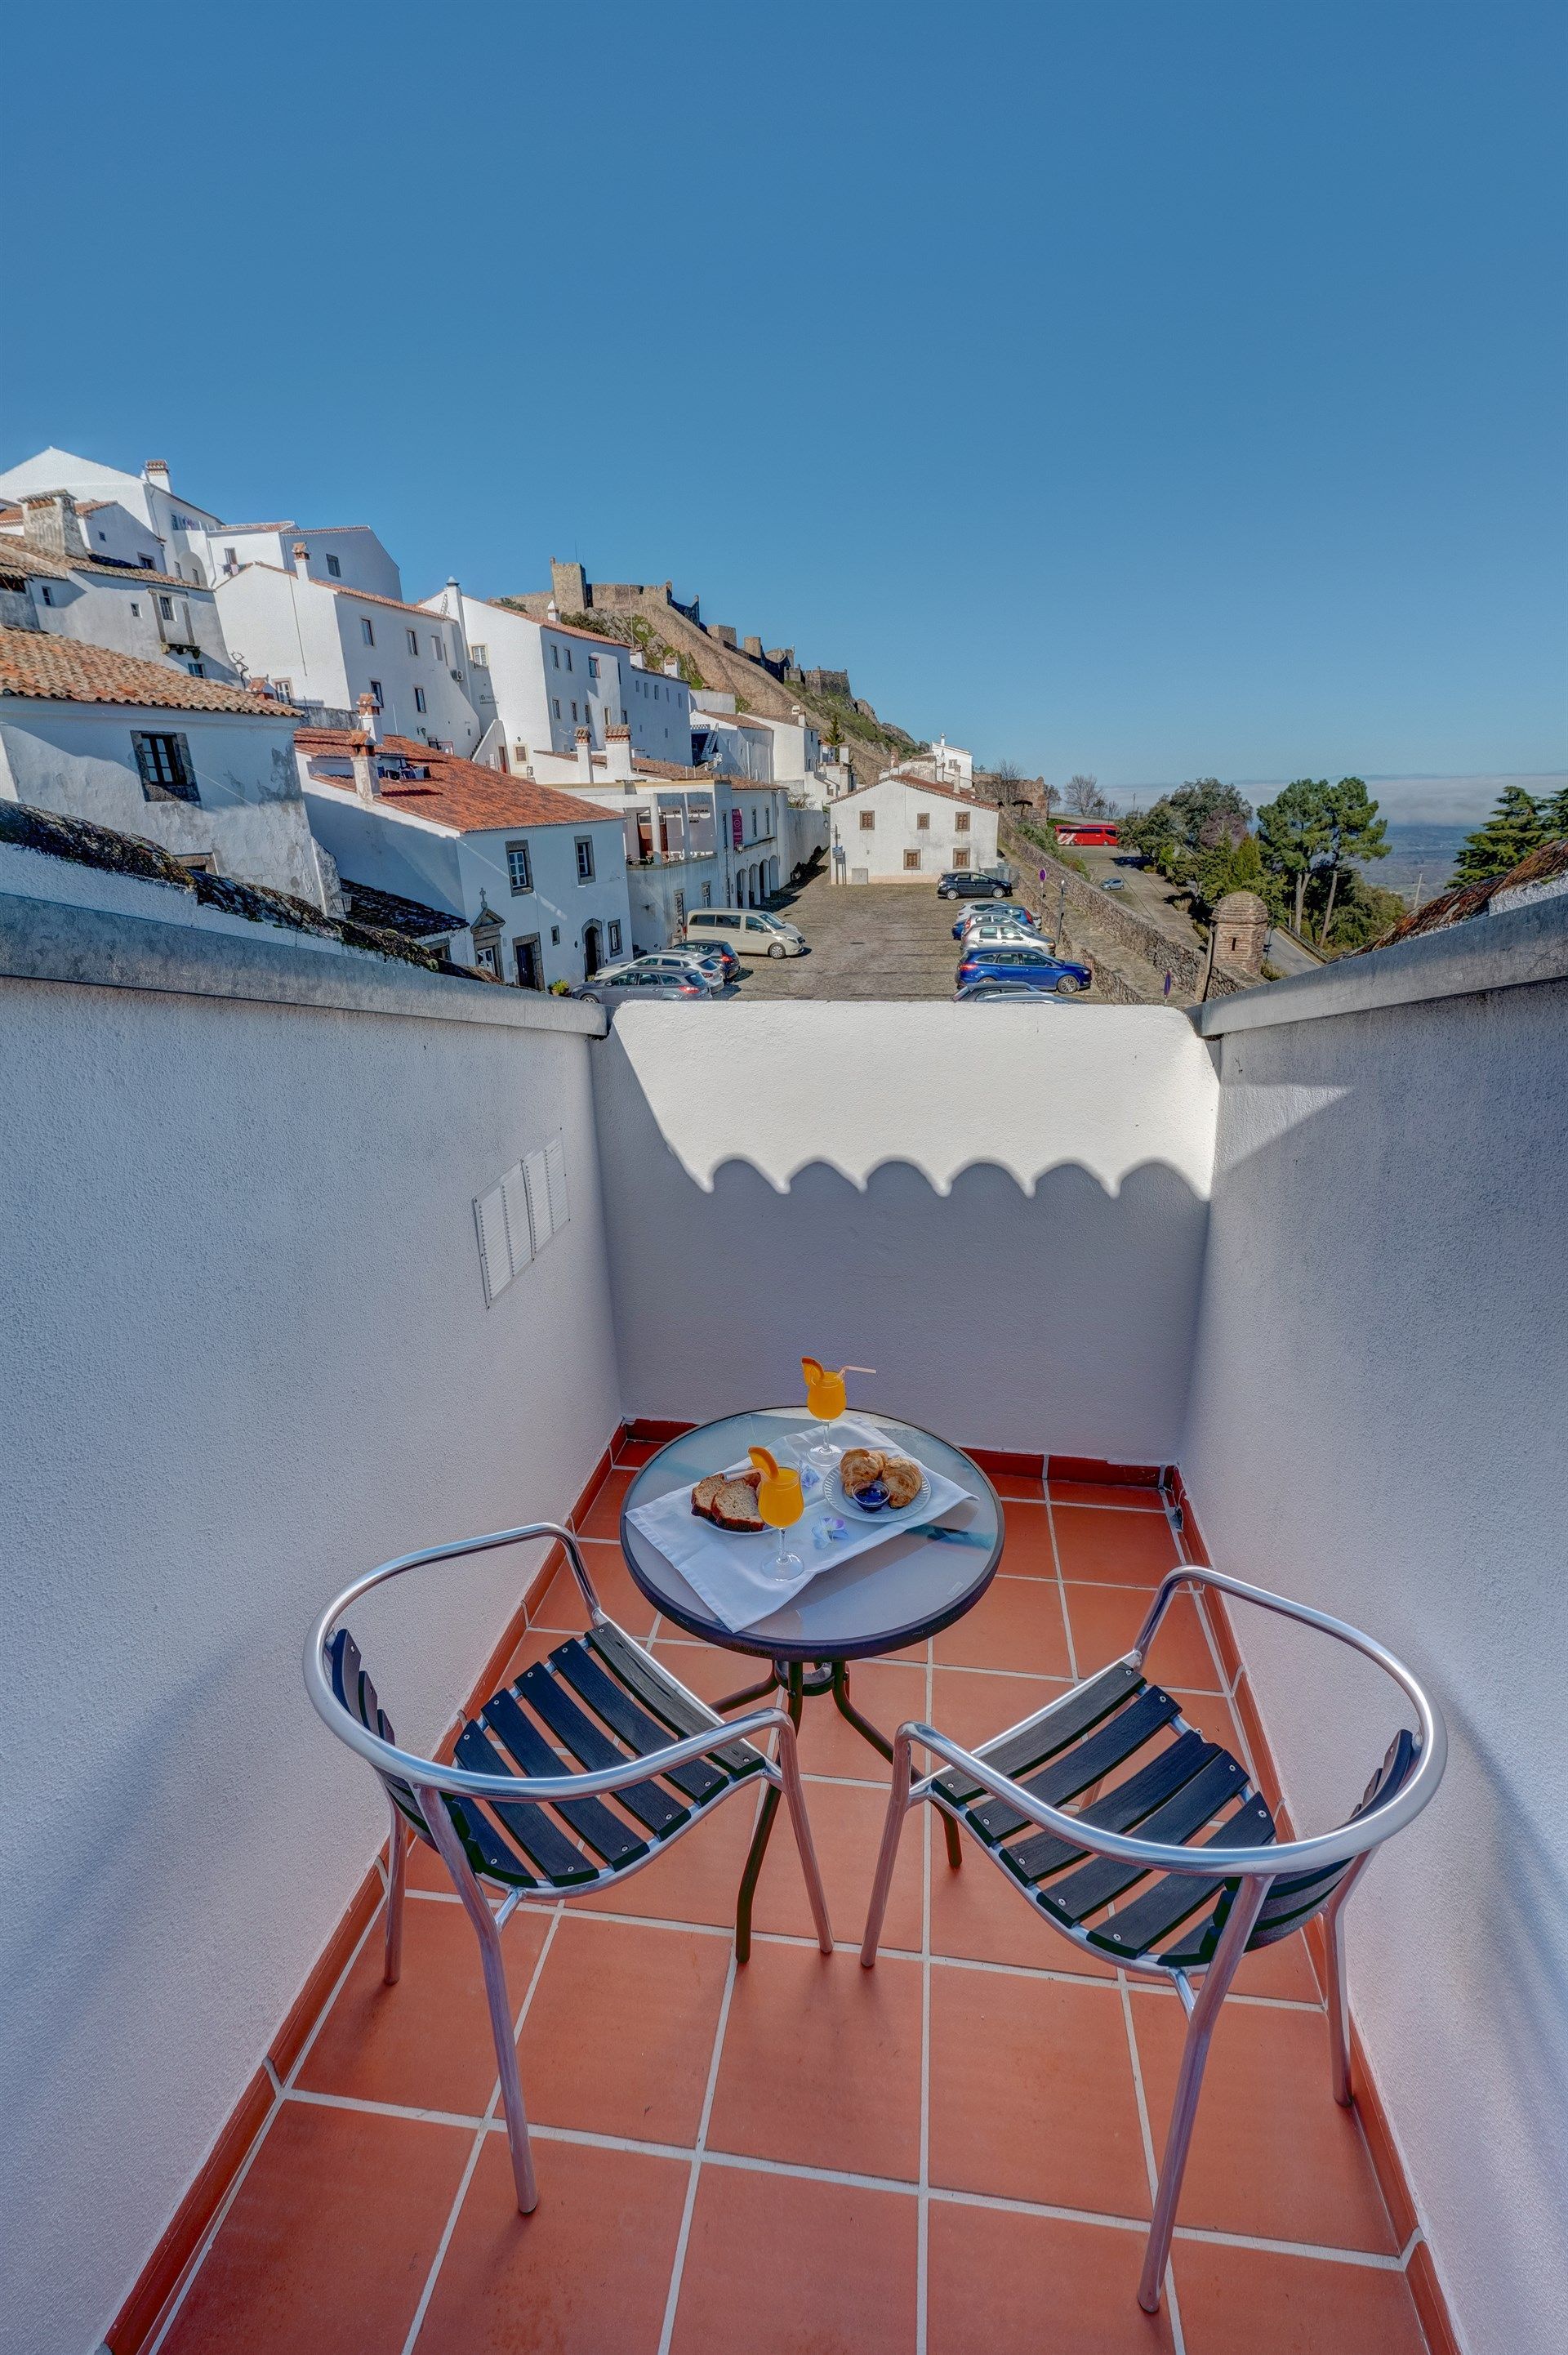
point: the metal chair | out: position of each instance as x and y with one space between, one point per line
1201 1882
508 1815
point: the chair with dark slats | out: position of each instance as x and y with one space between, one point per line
1148 1846
514 1814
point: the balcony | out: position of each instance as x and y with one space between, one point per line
1277 1282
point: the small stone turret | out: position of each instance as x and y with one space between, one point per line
1241 932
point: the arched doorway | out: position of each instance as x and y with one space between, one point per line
593 951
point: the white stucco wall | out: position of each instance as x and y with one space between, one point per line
896 806
1004 1215
313 635
246 1353
77 758
1379 1425
121 611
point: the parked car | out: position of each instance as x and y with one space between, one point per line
992 912
720 964
1114 883
747 931
637 981
961 883
1001 928
973 993
1021 961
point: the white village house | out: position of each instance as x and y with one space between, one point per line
203 769
904 826
535 684
49 579
536 878
180 528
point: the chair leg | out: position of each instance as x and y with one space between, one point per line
392 1956
1201 2027
1338 1997
433 1809
789 1766
887 1857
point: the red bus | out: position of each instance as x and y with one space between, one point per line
1089 833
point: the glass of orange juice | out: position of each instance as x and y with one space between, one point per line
825 1399
780 1504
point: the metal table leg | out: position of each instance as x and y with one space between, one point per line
878 1741
763 1833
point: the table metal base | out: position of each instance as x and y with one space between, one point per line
790 1678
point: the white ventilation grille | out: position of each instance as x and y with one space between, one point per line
517 1217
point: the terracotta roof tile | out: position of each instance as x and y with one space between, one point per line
921 784
460 794
21 556
37 663
346 588
1466 899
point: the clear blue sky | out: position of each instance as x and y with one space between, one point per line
1146 389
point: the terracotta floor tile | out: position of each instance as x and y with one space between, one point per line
885 1691
822 2063
587 2273
1273 2154
1239 2301
1105 1621
635 1453
977 1914
602 1518
619 2035
1016 1624
1126 1496
1034 2285
706 1671
426 2042
1027 1550
561 1605
1031 2093
1019 1487
697 1878
973 1706
329 2239
1114 1549
780 2265
846 1828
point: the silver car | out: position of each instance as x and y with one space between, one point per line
619 983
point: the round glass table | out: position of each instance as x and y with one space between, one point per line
919 1581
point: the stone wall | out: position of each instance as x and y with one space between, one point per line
1144 940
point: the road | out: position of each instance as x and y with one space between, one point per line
1287 956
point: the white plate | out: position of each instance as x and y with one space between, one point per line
839 1497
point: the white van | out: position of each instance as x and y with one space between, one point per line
747 931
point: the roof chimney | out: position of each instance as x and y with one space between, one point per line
453 601
585 755
618 754
367 715
49 522
671 667
156 470
301 556
366 784
552 612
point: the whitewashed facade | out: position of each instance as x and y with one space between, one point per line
903 829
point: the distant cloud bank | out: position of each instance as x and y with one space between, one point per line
1410 801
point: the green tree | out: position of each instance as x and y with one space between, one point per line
1179 827
1231 867
1553 814
1293 835
1355 831
1513 830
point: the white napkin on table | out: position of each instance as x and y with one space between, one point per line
730 1572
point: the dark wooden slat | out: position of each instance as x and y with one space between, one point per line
640 1733
484 1848
1107 1748
1100 1881
542 1842
605 1833
1044 1852
548 1698
1173 1896
348 1678
1066 1720
642 1677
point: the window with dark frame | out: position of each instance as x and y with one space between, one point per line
519 867
334 568
365 631
418 699
164 765
375 691
585 859
612 935
413 637
530 973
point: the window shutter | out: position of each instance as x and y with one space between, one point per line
147 768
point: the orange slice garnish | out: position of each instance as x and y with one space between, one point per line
812 1370
766 1464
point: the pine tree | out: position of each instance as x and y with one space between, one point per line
1293 835
1514 829
1553 814
1354 831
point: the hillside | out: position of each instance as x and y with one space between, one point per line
649 619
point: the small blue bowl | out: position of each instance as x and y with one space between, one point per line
872 1498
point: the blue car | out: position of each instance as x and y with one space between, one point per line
1036 968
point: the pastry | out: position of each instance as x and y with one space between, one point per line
859 1467
902 1481
730 1503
